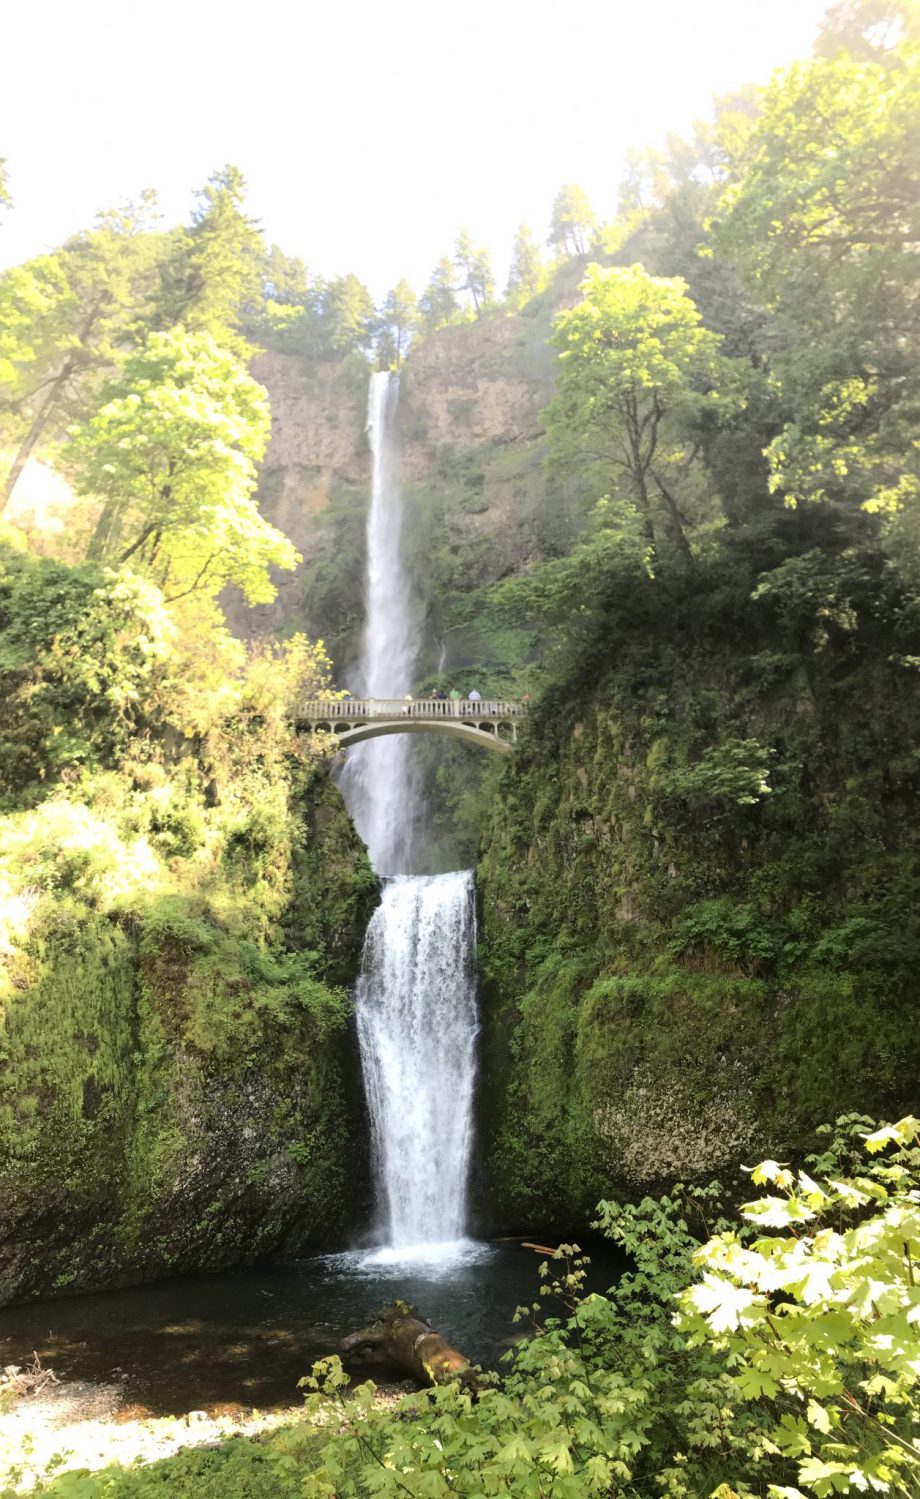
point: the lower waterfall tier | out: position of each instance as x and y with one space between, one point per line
416 1010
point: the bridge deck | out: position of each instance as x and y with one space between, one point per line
367 710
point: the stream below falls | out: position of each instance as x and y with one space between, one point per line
245 1337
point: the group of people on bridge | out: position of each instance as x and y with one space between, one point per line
438 702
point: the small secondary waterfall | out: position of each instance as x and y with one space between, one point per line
417 1028
416 996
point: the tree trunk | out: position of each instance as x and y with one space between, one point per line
46 407
675 525
412 1346
102 531
34 433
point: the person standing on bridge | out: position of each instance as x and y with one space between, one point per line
455 694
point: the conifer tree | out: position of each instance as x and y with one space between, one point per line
573 221
213 273
438 303
347 315
527 270
397 322
475 267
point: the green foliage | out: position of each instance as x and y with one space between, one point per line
732 934
172 450
81 649
734 773
67 320
475 267
34 299
635 365
573 222
310 317
212 271
818 1317
182 900
821 214
726 1361
397 321
438 303
526 274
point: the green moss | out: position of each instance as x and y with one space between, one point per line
163 1051
663 941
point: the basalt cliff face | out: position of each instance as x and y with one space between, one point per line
471 428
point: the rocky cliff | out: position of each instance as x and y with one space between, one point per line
473 470
699 891
176 1095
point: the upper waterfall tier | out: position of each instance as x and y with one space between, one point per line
378 780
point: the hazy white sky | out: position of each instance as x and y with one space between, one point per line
367 132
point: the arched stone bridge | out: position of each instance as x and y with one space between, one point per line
489 723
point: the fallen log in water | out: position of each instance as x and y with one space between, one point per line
412 1346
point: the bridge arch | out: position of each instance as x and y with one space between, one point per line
491 724
471 733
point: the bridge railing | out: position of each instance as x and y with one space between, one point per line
421 707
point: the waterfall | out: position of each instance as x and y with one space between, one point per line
416 996
379 780
416 1007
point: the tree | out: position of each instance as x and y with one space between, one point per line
822 216
172 452
285 279
573 221
634 364
438 303
475 267
82 651
526 275
396 323
346 315
5 199
67 319
213 272
868 28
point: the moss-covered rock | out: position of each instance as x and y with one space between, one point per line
699 891
176 1094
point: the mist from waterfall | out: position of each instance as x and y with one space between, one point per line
416 996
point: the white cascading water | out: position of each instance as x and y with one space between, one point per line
378 780
416 996
416 1006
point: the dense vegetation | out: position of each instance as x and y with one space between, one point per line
699 891
775 1356
182 897
700 879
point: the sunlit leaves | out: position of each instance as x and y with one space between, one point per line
172 452
823 213
828 1313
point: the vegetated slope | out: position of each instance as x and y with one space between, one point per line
700 885
699 888
183 902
